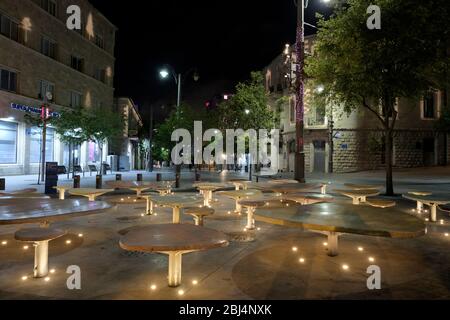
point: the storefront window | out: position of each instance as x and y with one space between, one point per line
93 152
8 142
35 145
76 155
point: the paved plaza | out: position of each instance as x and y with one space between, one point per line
271 262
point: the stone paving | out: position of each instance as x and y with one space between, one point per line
256 265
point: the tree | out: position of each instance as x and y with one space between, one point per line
370 69
69 128
79 125
102 125
248 108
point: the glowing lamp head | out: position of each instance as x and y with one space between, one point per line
164 74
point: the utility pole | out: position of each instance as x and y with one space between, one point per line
150 160
299 107
44 117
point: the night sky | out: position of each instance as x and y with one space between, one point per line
225 40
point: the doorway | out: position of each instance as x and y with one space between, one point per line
319 163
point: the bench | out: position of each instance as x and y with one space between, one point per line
78 169
62 169
92 168
199 214
106 168
40 237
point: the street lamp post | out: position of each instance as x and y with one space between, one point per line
44 116
178 80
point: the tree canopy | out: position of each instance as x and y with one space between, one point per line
363 68
248 108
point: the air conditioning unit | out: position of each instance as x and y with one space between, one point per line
113 161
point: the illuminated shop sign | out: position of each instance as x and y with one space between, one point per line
34 110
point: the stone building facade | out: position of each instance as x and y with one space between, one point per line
336 142
130 149
39 55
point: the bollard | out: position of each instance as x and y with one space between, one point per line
177 180
158 177
118 177
139 177
98 182
76 182
2 184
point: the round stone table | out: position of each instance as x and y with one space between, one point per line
206 189
420 193
173 240
334 219
353 186
90 193
44 211
359 196
240 184
239 195
308 198
433 201
286 188
176 202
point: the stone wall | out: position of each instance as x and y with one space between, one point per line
363 150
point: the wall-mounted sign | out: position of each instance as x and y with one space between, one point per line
35 110
344 146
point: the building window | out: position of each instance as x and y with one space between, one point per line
77 63
100 74
98 40
49 6
8 142
8 80
44 88
93 152
35 144
48 47
75 99
9 28
429 106
292 109
316 117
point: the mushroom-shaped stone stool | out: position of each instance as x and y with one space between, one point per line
199 214
40 238
251 206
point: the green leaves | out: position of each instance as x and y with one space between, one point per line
97 124
406 58
248 108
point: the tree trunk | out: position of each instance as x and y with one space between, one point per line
100 146
389 164
70 162
73 159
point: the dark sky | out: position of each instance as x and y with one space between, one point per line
225 40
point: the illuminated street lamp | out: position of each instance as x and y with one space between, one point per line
165 73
